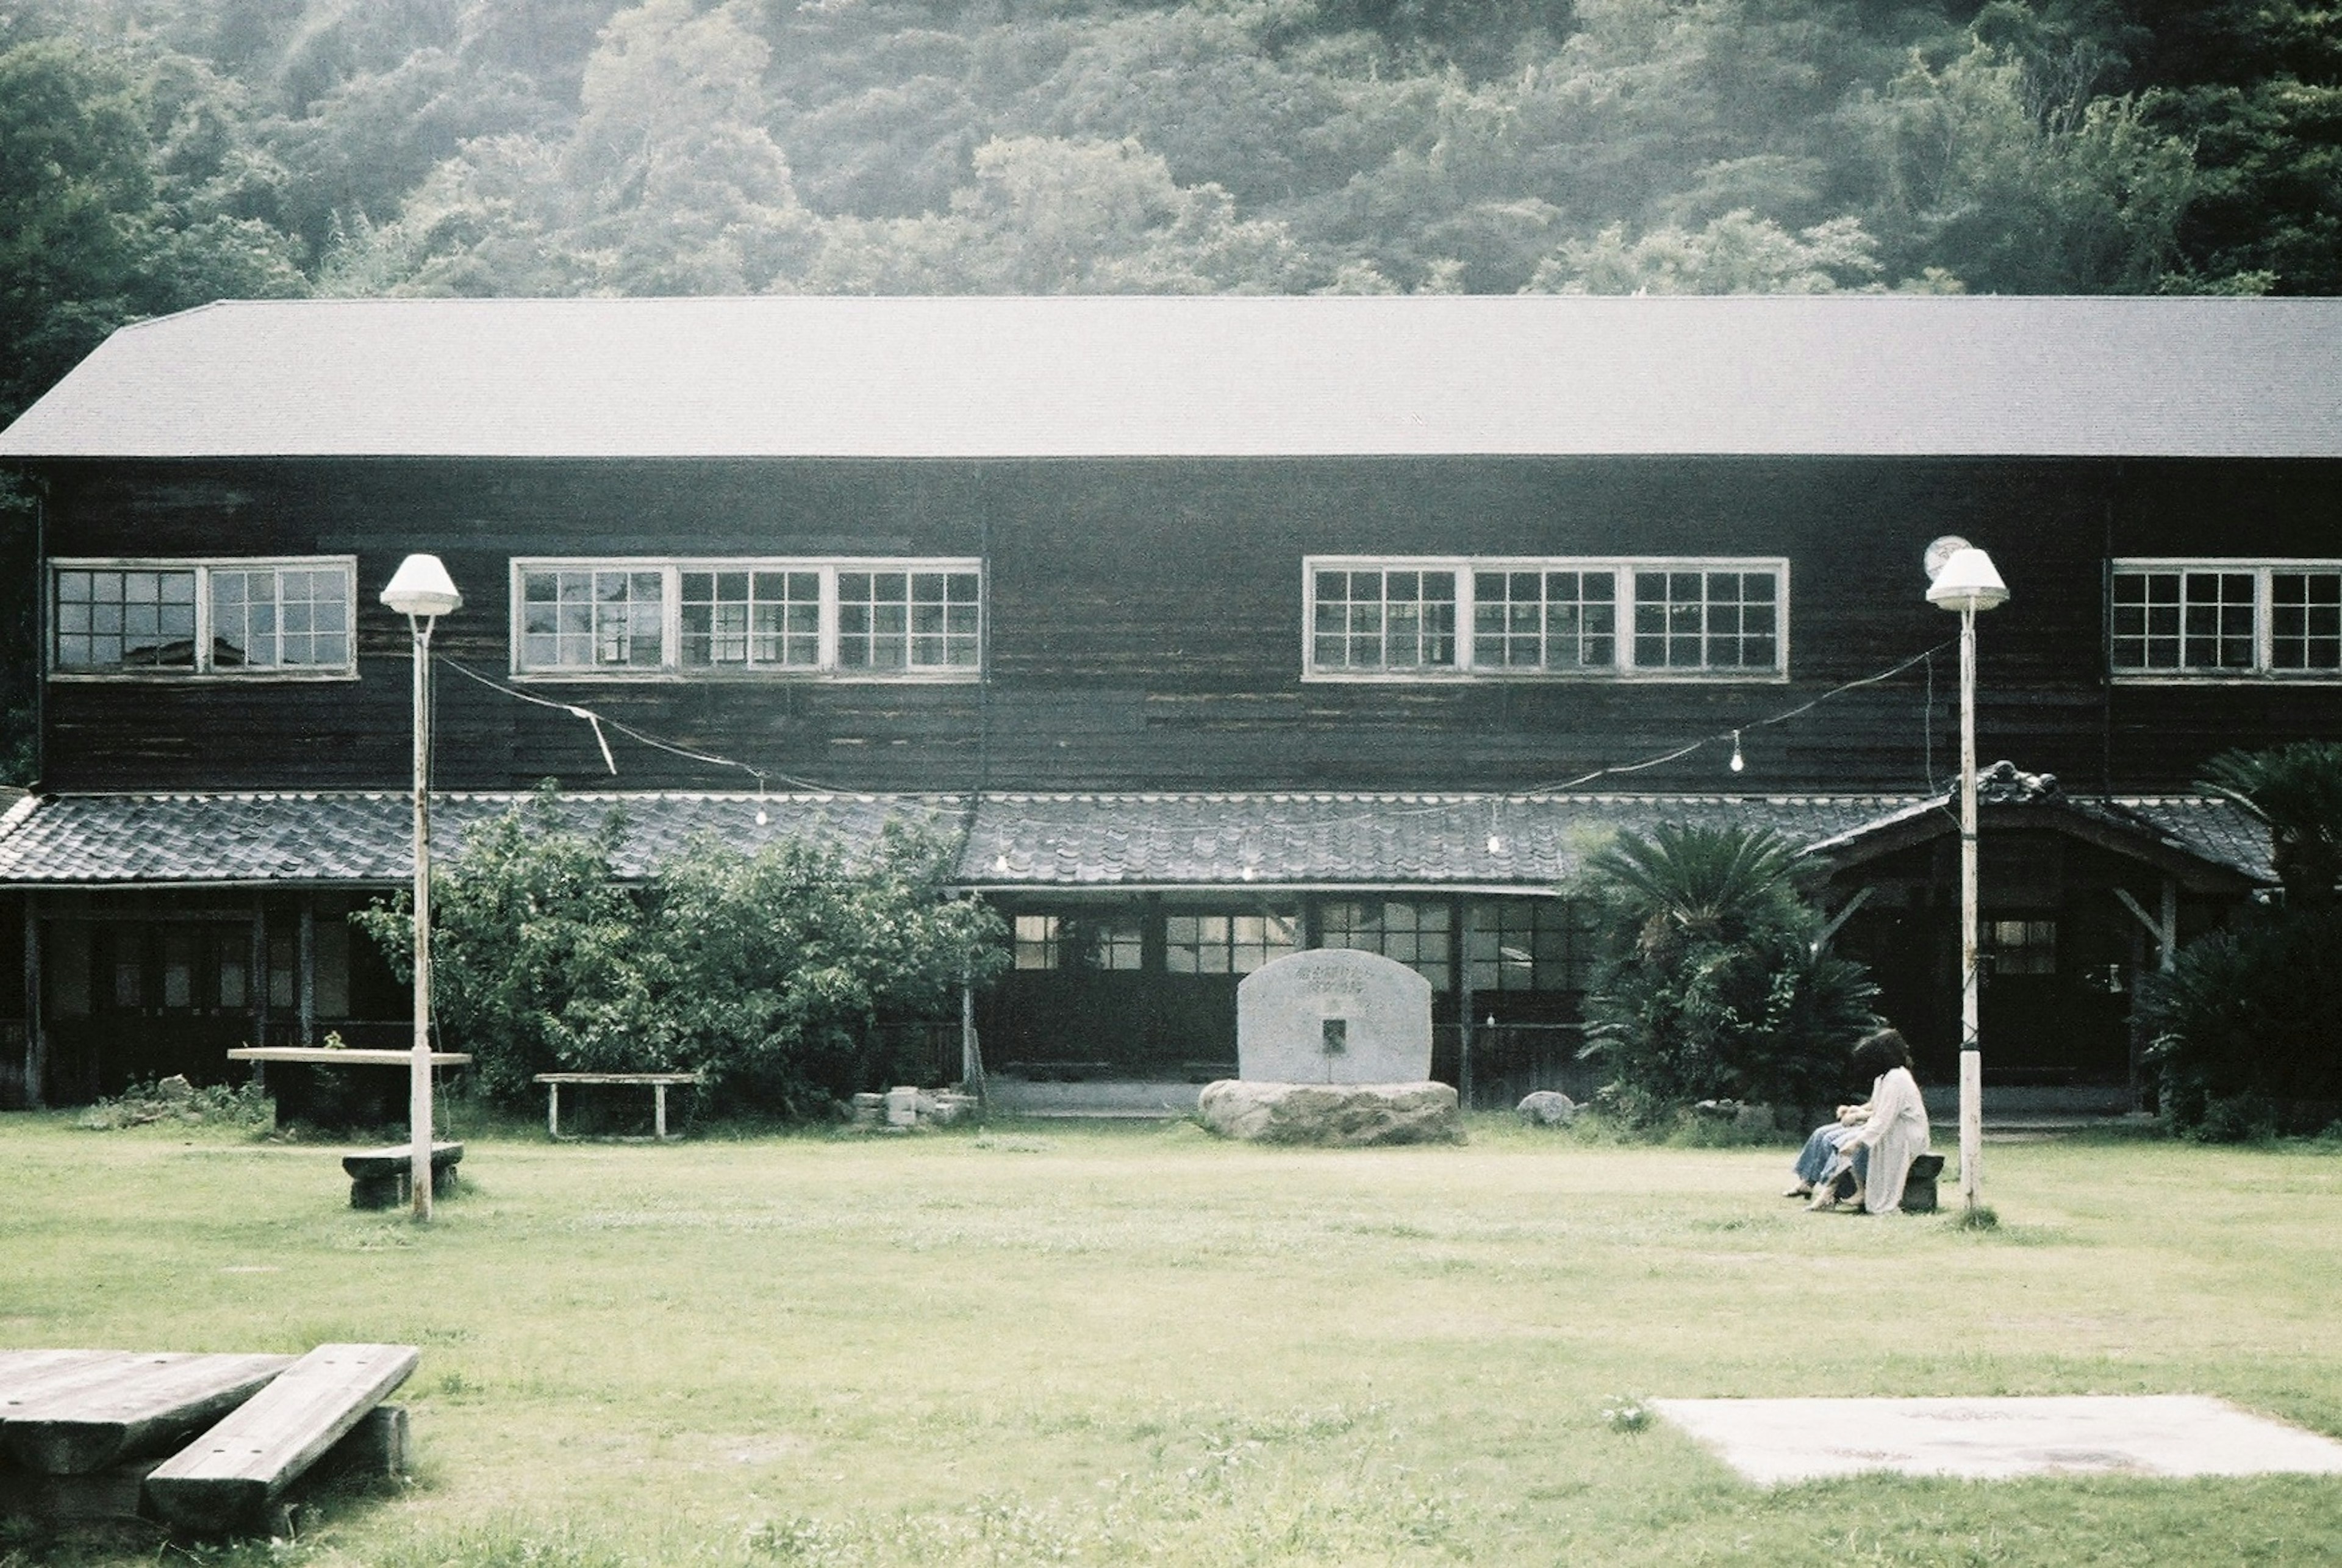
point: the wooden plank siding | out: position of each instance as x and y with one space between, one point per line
1146 620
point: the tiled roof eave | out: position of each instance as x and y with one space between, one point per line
1008 841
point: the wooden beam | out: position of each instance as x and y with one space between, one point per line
2165 930
2170 954
234 1471
1861 897
106 1413
25 1372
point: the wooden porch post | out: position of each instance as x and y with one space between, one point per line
37 1054
259 971
971 1051
1463 1004
306 991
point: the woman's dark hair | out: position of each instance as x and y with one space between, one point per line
1881 1053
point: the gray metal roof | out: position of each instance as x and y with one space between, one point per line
1068 843
1207 377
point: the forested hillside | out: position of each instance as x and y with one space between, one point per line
155 154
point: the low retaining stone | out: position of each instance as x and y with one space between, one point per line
1345 1115
1546 1108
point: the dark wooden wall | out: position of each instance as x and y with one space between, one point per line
1146 620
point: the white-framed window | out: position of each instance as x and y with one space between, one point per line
856 619
286 618
2214 618
1413 618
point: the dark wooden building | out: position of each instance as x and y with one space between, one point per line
1213 627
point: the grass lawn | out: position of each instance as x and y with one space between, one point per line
1133 1344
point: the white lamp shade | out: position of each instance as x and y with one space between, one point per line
1967 582
421 586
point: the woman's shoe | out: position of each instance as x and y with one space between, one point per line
1798 1190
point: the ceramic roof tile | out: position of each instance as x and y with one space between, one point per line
1012 840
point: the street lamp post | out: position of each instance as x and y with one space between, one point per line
422 591
1963 578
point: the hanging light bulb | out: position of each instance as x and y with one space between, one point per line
1496 844
762 820
1737 763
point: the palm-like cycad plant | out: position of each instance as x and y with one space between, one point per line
2296 792
1715 988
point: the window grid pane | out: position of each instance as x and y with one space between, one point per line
1118 944
1035 941
2217 621
742 619
1415 934
2147 621
1707 621
874 617
1543 944
2019 946
2305 620
125 619
1227 944
1544 620
1379 620
2226 618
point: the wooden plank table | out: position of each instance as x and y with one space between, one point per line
92 1413
658 1082
345 1056
230 1474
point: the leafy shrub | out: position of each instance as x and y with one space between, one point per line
2246 1022
1713 988
2242 1031
174 1100
766 972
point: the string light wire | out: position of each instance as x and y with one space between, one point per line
596 722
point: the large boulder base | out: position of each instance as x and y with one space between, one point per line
1339 1116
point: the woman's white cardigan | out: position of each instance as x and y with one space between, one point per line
1896 1134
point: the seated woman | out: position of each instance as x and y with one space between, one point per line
1820 1152
1878 1140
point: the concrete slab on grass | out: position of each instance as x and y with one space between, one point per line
1775 1441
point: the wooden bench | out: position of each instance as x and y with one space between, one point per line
232 1473
382 1178
658 1082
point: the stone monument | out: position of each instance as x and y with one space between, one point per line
1333 1046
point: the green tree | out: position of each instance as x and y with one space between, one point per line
776 965
1715 986
1738 253
766 971
538 957
1048 216
668 183
1972 175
